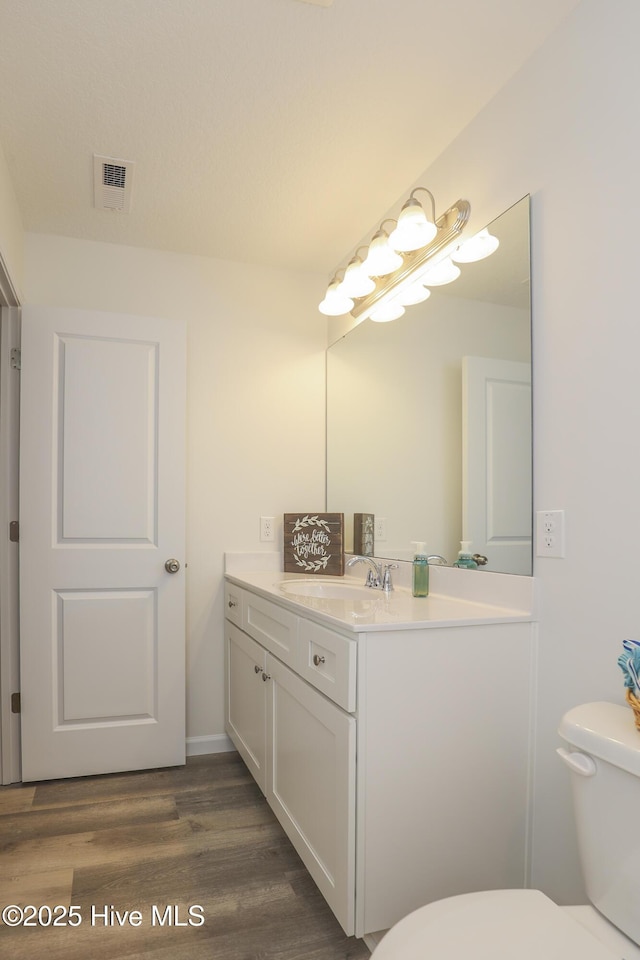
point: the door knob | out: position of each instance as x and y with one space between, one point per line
172 566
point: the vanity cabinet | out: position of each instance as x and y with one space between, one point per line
396 760
298 744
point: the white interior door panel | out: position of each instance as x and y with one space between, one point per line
102 495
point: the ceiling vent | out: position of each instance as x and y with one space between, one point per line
112 184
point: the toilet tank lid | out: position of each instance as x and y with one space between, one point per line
604 730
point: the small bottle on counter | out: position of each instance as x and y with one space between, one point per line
465 559
420 570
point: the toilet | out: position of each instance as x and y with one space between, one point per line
603 754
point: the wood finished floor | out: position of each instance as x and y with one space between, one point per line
196 835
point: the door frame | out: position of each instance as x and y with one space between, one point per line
10 766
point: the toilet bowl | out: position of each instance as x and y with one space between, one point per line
525 924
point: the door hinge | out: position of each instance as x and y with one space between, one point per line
14 531
15 703
16 358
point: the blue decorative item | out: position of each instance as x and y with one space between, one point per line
629 663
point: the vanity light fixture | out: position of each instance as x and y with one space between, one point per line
390 310
396 264
336 302
440 273
414 229
357 282
415 293
382 259
477 247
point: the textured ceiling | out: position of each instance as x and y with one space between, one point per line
267 131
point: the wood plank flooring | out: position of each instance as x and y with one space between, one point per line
195 836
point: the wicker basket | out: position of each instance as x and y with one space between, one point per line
634 703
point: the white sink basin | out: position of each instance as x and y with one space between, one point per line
327 589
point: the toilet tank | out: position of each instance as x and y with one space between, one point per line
602 740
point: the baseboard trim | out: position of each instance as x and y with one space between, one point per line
373 939
219 743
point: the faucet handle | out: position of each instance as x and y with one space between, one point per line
387 584
372 580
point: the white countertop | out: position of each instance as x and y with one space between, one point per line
376 612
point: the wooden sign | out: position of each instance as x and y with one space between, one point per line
363 527
314 543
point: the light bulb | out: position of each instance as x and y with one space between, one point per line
440 273
381 259
481 245
414 230
357 282
335 302
390 310
416 293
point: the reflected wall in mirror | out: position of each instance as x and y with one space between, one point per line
427 434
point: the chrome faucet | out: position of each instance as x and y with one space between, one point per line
437 560
378 575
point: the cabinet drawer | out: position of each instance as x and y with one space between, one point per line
233 603
275 628
328 661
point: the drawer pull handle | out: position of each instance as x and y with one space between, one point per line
256 668
233 603
317 659
265 676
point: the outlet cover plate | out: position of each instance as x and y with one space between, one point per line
550 533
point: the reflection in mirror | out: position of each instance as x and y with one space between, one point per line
429 417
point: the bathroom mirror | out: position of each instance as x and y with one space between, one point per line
429 416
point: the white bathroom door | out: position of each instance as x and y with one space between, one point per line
496 462
102 496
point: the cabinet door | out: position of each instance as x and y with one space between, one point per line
311 783
246 699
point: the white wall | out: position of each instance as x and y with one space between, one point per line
565 130
255 406
11 232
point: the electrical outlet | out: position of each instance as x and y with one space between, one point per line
380 529
267 529
550 533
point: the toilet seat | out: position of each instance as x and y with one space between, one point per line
492 925
603 930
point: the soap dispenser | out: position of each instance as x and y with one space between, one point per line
420 570
465 560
